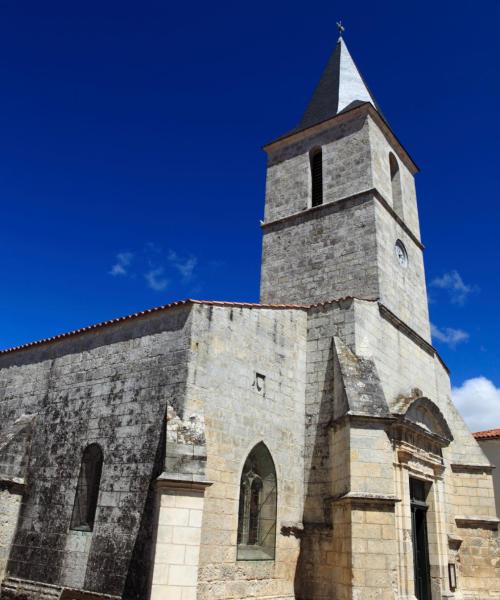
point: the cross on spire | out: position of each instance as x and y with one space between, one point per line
340 27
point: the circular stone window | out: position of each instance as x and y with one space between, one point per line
401 254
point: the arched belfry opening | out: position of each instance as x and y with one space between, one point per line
316 163
257 506
87 489
397 195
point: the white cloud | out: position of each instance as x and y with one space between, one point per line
155 279
185 266
158 268
449 336
123 260
478 399
457 289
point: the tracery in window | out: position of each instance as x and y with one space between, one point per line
87 489
257 506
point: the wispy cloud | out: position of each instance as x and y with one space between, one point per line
449 336
122 263
185 266
157 268
156 280
478 399
457 289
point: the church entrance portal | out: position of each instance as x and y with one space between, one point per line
418 495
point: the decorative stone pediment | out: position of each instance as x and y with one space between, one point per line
420 432
423 416
426 415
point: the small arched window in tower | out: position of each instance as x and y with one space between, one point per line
316 160
397 197
87 489
257 506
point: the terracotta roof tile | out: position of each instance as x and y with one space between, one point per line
488 434
163 307
148 311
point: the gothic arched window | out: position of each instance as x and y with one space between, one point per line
316 160
257 507
87 489
397 196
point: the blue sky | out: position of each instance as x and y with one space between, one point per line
131 170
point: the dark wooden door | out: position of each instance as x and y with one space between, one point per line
420 542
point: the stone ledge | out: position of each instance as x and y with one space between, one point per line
365 498
463 468
181 481
477 521
337 205
14 485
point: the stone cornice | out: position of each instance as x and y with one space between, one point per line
362 110
389 316
337 205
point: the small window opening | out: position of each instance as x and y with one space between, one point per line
87 489
397 197
316 159
257 506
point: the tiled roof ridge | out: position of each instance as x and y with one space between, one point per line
79 331
487 434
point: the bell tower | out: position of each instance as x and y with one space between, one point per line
341 213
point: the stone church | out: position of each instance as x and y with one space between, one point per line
305 447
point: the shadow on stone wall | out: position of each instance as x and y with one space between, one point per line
313 574
140 569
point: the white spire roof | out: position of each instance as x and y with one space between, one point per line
340 88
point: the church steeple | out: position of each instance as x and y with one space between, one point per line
340 88
341 214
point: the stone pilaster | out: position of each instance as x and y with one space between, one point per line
178 536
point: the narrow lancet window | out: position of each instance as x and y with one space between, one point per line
397 198
316 159
257 507
87 490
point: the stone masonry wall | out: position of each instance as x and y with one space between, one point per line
381 177
326 468
111 387
327 252
346 168
10 503
231 345
402 290
468 499
402 365
491 447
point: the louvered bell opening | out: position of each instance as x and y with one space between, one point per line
317 177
